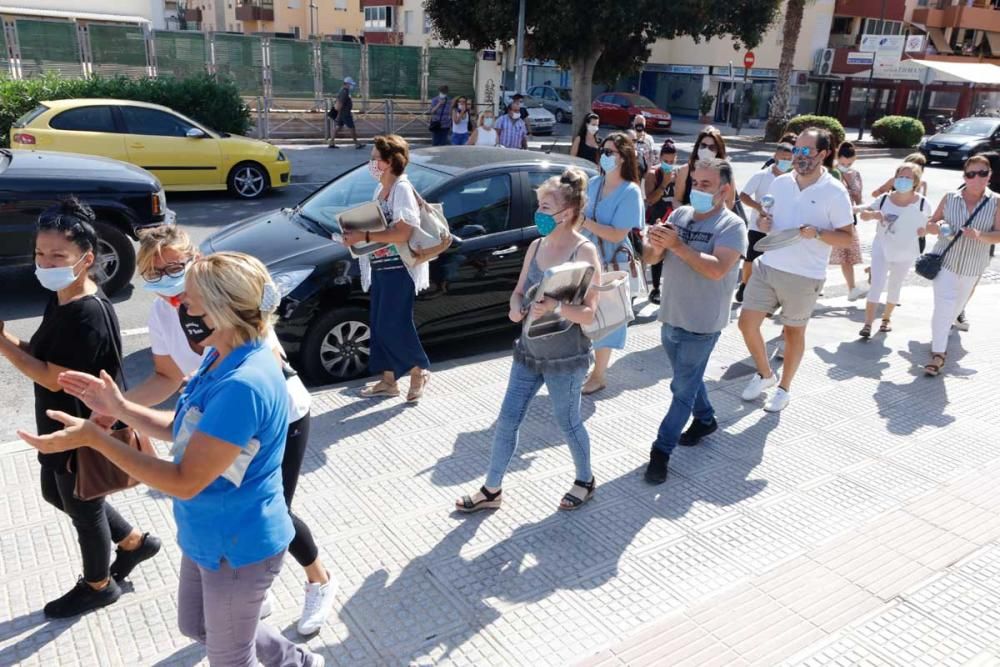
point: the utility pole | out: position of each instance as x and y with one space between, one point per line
871 75
519 50
313 7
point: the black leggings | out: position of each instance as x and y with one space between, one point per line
657 271
303 547
97 523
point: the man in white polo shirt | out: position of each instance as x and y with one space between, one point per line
814 202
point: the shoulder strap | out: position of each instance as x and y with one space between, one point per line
115 340
923 201
579 245
967 223
881 202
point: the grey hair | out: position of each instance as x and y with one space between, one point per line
719 166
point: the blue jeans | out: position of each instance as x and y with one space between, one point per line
440 137
459 139
688 353
564 392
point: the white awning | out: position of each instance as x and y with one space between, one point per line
7 10
985 73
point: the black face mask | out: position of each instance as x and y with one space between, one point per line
194 326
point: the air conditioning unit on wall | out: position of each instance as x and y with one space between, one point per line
824 62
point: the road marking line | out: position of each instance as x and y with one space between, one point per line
141 331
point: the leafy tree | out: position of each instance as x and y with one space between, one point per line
606 39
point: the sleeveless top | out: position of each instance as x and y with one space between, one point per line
587 152
686 199
967 257
463 124
564 352
486 137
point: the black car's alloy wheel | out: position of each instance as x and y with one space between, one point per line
337 346
115 261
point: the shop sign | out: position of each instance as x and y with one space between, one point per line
755 72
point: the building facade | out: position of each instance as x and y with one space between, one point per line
336 19
148 12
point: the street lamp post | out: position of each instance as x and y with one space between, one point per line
871 75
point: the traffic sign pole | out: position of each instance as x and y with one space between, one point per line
748 61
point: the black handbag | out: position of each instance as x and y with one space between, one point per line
929 264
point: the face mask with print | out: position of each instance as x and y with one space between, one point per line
701 201
487 122
167 286
706 153
784 166
546 222
195 329
592 129
57 278
375 171
608 163
902 184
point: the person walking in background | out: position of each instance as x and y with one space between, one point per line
79 332
707 145
614 208
485 134
344 105
559 361
700 247
586 143
970 217
658 185
513 128
787 138
886 188
460 114
643 145
752 197
902 221
440 115
847 258
812 201
228 434
166 254
395 345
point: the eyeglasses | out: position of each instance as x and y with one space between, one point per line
172 270
804 151
981 173
610 152
639 128
708 147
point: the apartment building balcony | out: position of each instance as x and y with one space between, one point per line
255 10
944 14
192 15
895 10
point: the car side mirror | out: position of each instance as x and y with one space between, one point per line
196 133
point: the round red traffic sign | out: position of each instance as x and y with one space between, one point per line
748 60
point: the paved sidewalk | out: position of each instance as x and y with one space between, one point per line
857 527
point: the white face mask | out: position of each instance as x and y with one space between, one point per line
592 129
706 153
58 277
375 171
442 95
461 107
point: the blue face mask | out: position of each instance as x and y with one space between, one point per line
546 222
608 163
902 184
701 201
785 166
58 277
167 285
666 167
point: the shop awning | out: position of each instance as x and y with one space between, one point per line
8 10
984 73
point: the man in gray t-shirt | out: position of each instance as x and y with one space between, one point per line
700 246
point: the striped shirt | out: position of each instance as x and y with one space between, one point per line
968 257
512 131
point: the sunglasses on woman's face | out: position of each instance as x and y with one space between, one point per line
707 146
610 152
980 173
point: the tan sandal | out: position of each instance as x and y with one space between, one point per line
933 369
417 392
886 326
590 387
379 389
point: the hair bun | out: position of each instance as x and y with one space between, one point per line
76 208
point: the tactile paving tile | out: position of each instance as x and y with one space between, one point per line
736 482
45 644
52 543
19 469
357 556
694 568
464 647
681 501
803 517
141 629
849 497
983 567
845 651
891 480
961 604
627 521
330 511
913 638
750 541
932 461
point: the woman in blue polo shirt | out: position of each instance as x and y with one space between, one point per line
229 435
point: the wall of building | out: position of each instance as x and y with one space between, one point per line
152 10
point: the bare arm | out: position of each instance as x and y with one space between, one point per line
574 149
681 180
474 137
934 224
838 238
103 397
40 372
161 385
751 202
398 232
517 296
585 312
882 189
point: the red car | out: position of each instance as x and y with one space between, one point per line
621 108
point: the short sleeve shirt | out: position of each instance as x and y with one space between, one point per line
167 339
346 103
512 131
824 205
240 516
689 300
622 208
897 234
758 186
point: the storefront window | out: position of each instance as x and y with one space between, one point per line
808 97
986 101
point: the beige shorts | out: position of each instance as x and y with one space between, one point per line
770 288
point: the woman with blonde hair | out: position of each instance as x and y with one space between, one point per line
485 134
224 474
559 361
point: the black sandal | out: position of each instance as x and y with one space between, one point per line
866 331
574 502
886 326
490 501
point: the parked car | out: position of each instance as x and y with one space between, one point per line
556 100
488 195
539 118
124 197
620 109
182 153
961 139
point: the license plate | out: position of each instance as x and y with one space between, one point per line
662 122
940 153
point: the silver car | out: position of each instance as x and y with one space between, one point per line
556 100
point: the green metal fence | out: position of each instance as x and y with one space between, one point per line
394 71
48 46
339 60
292 72
118 50
180 54
242 59
455 68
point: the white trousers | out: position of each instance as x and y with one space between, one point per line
888 273
951 292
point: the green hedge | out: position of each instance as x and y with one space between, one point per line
898 131
210 100
800 123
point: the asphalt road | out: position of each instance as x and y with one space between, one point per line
203 214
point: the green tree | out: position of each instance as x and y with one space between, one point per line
602 39
790 30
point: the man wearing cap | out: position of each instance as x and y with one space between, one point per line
343 116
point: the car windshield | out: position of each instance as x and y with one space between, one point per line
643 102
357 187
976 127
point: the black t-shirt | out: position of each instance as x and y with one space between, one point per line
75 336
346 102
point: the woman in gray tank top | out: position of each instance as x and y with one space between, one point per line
561 360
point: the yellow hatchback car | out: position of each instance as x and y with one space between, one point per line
182 153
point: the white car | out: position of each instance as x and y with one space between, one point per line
541 119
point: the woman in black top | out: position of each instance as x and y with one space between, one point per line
586 142
79 331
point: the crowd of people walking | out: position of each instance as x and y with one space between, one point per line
240 428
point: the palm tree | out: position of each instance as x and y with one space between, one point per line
789 39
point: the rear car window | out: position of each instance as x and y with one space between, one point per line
84 119
31 115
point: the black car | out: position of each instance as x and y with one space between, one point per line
125 199
488 195
962 139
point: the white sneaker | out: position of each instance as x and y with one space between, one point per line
779 349
317 606
758 385
779 401
317 660
856 293
266 608
961 324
